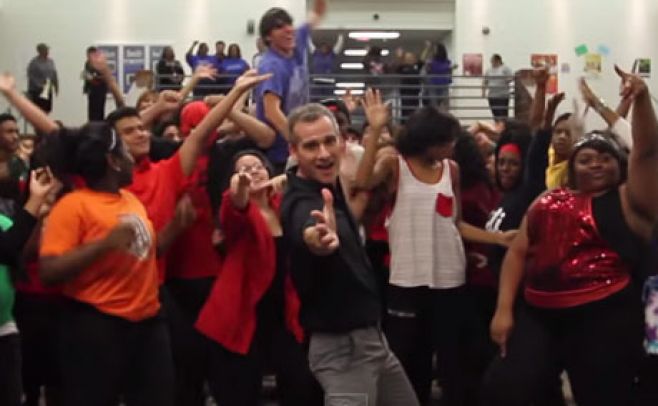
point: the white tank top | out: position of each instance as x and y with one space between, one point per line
426 246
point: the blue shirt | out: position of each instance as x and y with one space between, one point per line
234 67
289 82
438 67
196 60
323 64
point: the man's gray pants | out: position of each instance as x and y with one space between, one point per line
359 369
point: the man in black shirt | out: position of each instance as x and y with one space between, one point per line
341 303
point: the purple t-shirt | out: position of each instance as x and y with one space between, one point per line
323 64
289 82
440 67
234 67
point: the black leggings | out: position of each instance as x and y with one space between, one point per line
599 345
182 300
499 107
236 379
37 317
105 359
10 370
422 321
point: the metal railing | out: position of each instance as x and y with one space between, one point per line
461 95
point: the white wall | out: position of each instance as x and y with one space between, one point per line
399 14
69 26
520 28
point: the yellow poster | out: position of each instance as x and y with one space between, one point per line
593 63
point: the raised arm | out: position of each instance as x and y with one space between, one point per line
259 132
33 114
189 54
598 104
549 115
168 101
316 15
338 46
194 145
642 186
372 172
201 72
540 76
99 62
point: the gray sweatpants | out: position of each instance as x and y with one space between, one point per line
359 369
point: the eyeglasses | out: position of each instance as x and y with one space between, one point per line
250 168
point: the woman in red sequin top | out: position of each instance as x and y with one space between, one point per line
575 255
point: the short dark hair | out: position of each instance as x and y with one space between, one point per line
309 113
273 18
220 42
80 151
7 117
254 152
497 57
427 127
91 49
121 113
472 165
562 117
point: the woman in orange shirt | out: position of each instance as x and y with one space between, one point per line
100 246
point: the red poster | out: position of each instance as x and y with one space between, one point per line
472 64
548 61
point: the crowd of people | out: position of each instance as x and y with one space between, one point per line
178 250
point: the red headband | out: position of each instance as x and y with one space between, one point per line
511 147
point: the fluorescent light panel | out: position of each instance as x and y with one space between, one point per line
351 65
362 52
374 35
350 85
340 92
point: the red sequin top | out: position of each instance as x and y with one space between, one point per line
568 262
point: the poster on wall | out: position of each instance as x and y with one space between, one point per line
134 60
548 61
112 55
472 64
155 53
593 63
642 66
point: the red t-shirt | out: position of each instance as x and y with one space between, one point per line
159 186
192 255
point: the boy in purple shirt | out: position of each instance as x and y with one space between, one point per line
286 59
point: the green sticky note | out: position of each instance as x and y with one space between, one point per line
581 50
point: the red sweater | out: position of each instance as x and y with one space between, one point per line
229 316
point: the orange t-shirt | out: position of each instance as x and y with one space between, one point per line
122 284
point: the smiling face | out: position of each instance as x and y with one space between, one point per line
318 148
595 171
282 38
252 165
137 139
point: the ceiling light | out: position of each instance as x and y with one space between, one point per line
367 35
351 65
350 85
362 52
340 92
